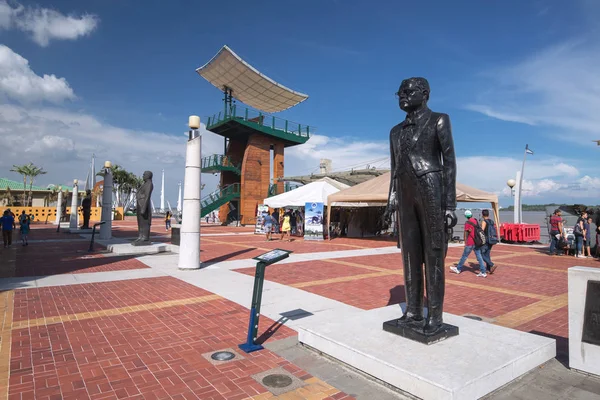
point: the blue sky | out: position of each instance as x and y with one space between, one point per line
507 73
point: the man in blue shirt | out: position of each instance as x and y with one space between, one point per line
8 224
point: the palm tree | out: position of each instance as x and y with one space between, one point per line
34 171
23 171
30 171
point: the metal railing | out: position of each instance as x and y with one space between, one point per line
221 162
261 119
220 194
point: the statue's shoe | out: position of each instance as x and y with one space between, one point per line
432 326
409 318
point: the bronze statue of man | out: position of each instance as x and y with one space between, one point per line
144 210
86 209
423 195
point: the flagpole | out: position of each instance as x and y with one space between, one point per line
521 184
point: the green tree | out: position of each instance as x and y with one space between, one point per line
23 171
30 171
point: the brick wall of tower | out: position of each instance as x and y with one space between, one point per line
256 173
235 151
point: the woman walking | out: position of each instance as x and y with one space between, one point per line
286 228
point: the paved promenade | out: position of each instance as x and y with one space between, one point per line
79 325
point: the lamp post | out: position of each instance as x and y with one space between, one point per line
59 206
74 214
520 177
189 248
511 184
107 189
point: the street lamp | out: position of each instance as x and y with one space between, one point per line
511 184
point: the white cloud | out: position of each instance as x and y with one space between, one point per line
44 24
344 153
557 87
19 82
62 142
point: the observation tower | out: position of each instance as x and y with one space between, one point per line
254 140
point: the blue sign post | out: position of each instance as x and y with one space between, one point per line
264 260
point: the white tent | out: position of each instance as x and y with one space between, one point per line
316 192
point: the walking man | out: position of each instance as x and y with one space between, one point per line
491 238
556 232
470 246
8 224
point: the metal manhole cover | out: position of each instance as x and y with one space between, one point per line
277 381
222 356
475 317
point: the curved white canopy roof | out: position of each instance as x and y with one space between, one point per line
248 85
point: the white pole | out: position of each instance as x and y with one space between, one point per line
517 202
520 180
93 171
59 206
107 213
162 192
189 249
179 198
74 214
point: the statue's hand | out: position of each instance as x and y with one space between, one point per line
450 219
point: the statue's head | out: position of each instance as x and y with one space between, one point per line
147 175
88 192
413 93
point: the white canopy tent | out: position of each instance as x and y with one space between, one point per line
374 193
315 192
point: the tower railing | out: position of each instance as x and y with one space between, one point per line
261 119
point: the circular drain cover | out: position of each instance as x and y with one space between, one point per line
277 381
222 356
475 317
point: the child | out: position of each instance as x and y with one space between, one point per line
168 220
25 231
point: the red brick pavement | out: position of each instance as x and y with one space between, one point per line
142 354
67 257
59 300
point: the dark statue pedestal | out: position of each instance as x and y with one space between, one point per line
175 234
414 331
142 243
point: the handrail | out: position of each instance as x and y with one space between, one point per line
262 119
218 160
228 190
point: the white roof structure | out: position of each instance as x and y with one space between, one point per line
227 69
315 192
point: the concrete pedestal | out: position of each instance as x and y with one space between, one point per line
175 234
81 231
481 359
583 356
127 248
59 207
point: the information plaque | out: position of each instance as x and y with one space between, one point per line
591 314
273 256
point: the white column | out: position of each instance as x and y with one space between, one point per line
189 248
59 206
74 214
517 204
179 198
162 192
107 214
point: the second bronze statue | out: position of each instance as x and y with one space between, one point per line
422 194
144 210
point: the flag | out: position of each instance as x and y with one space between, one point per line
528 150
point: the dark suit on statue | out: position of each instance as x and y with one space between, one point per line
424 180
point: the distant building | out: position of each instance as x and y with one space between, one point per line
41 196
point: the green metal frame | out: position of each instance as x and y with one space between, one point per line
218 198
219 163
265 123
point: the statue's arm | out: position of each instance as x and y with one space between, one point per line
392 191
444 131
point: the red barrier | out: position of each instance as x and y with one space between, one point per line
520 232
